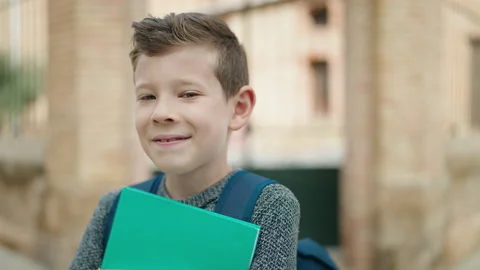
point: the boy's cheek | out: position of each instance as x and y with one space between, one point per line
142 117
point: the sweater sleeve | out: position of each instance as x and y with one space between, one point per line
89 253
277 211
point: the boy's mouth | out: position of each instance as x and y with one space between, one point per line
170 138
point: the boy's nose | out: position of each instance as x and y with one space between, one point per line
163 113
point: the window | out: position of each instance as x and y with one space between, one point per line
475 90
320 86
320 15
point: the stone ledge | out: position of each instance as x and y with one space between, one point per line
21 161
12 260
463 239
463 156
15 237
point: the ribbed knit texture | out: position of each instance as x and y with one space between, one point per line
277 211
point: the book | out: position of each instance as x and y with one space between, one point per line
153 232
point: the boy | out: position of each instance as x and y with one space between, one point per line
191 87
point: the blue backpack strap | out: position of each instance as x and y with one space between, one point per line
240 195
311 255
150 186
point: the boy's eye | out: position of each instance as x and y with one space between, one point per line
189 95
147 97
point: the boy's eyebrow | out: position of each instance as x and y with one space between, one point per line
176 83
143 85
186 81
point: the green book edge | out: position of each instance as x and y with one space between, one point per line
171 201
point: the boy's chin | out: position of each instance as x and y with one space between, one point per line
173 168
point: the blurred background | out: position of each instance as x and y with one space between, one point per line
367 109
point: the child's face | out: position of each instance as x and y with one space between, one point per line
182 116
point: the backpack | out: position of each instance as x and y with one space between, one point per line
238 200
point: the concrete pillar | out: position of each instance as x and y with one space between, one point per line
91 143
357 197
395 180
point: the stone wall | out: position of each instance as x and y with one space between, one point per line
22 190
408 189
91 142
462 236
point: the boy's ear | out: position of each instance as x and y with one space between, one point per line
243 104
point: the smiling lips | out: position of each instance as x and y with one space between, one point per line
165 140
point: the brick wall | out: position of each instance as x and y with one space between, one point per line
408 78
91 134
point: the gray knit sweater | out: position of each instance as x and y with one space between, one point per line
277 212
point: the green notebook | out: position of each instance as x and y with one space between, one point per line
152 232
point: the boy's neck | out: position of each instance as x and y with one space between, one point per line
186 185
